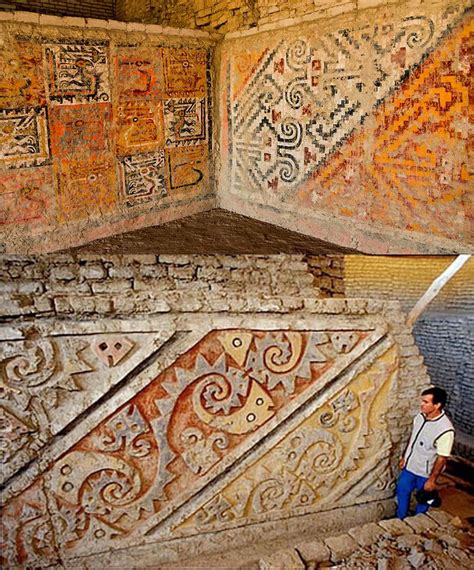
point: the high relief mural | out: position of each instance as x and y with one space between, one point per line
96 130
365 118
223 426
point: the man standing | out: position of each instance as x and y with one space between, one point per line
430 445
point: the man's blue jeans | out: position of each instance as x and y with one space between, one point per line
406 484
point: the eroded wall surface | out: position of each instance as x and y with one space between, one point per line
354 129
144 436
231 15
101 130
85 8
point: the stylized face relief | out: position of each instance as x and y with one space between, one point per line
257 409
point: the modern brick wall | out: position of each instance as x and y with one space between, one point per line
406 278
84 8
447 341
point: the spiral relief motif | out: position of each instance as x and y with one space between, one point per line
281 360
269 495
418 31
295 93
320 458
107 489
32 366
297 55
219 394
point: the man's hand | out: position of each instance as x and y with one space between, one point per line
401 463
438 467
430 485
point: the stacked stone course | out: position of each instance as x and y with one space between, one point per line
435 540
83 8
128 286
232 15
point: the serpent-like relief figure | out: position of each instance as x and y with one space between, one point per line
255 411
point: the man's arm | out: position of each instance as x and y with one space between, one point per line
438 467
444 446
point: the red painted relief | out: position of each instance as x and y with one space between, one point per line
27 537
86 186
164 444
27 196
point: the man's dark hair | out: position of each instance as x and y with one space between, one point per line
439 395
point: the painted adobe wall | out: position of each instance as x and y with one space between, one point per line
196 427
354 129
444 331
102 130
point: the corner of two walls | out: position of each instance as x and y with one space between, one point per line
301 114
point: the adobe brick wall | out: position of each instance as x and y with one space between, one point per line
93 286
231 15
104 9
100 356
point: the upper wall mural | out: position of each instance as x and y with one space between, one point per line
98 128
364 119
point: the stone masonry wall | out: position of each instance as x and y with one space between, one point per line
94 286
104 9
172 400
231 15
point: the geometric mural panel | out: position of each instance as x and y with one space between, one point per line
185 121
185 72
143 177
24 137
93 111
78 72
27 196
366 121
86 186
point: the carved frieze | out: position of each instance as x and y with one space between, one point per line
48 379
228 425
